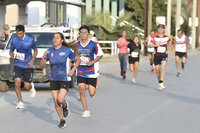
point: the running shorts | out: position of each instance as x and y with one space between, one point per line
181 54
57 85
88 81
158 59
26 74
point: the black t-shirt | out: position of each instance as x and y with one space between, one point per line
134 50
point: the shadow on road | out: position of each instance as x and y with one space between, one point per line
185 99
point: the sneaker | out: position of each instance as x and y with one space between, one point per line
124 75
62 124
20 105
152 70
32 90
86 114
178 74
66 111
92 97
161 87
133 80
183 66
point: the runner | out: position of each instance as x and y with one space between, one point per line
59 57
181 47
86 71
161 43
134 56
23 62
123 53
92 36
150 50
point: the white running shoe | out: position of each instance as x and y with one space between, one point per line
161 87
32 90
133 80
92 97
86 114
20 105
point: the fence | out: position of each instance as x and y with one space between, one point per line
112 47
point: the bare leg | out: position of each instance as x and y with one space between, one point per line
58 108
82 95
18 89
136 69
92 90
177 64
158 71
162 76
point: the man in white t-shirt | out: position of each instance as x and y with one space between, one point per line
181 46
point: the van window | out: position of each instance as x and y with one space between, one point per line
42 40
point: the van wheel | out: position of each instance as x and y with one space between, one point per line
3 86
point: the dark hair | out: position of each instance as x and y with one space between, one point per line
20 28
85 27
152 30
73 45
180 30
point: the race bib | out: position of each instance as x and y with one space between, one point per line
84 60
20 56
181 48
134 54
161 49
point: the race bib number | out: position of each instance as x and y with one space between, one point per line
134 54
20 56
180 48
84 60
161 49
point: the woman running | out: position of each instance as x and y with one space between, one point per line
134 56
59 57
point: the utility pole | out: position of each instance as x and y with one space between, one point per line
149 16
169 17
194 13
146 23
178 14
198 28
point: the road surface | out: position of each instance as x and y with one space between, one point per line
120 106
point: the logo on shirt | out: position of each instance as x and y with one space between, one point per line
62 53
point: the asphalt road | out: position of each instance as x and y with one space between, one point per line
120 106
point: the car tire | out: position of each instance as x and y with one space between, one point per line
3 86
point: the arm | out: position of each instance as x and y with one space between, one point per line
145 42
95 60
78 61
11 53
43 61
174 43
33 58
187 41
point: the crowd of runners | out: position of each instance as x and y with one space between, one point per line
86 54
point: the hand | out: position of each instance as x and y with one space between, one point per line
45 54
12 56
90 63
129 54
30 64
70 74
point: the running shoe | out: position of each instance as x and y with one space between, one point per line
183 66
62 124
178 74
133 80
124 75
152 70
161 87
32 90
86 114
66 111
20 105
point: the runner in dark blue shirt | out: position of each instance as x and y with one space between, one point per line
59 57
23 62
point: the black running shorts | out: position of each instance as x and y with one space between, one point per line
57 85
88 81
181 54
132 60
26 74
158 59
